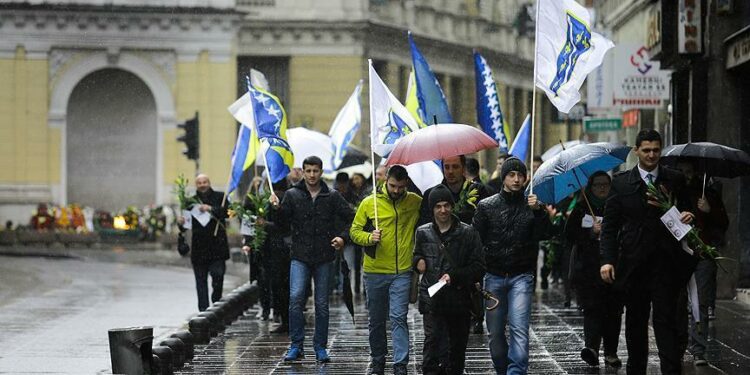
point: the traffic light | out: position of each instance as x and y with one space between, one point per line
191 138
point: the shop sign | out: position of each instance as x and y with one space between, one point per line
630 118
689 39
592 125
638 81
738 48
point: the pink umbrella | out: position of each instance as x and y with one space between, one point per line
439 141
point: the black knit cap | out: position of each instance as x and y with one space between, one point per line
440 193
512 164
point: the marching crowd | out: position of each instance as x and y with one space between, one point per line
466 254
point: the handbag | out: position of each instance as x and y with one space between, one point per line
182 246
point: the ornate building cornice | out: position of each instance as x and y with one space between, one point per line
40 30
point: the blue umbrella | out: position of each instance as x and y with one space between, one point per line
569 170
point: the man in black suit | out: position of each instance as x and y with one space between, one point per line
651 265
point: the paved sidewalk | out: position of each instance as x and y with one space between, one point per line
556 340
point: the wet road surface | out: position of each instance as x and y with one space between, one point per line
247 347
55 312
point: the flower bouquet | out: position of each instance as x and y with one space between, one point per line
467 198
259 203
662 199
181 191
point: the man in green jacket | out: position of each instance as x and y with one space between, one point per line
388 268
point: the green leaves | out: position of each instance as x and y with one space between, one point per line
259 203
181 192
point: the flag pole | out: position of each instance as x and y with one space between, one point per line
533 100
372 148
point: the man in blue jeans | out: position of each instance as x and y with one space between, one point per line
388 266
510 226
319 220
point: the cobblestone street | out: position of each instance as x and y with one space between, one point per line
556 340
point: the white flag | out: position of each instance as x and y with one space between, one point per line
566 50
345 126
389 121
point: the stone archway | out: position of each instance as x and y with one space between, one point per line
111 141
85 63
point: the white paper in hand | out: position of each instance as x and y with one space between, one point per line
588 221
435 288
671 220
248 227
188 219
202 217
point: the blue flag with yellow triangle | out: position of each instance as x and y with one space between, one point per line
432 103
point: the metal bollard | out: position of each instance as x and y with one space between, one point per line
187 339
213 321
165 359
130 350
178 351
201 329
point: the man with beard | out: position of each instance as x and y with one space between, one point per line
388 268
209 252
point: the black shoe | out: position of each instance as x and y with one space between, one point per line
566 304
612 360
376 369
477 328
699 360
283 328
545 284
399 369
265 314
590 356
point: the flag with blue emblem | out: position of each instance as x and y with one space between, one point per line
520 146
279 158
566 50
270 117
489 113
432 103
345 126
389 121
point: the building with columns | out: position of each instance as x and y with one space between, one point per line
94 89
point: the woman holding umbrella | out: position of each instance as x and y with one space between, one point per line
602 309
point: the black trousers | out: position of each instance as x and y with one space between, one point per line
278 275
655 291
445 340
601 322
705 279
201 271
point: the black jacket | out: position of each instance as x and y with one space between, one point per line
635 240
585 274
313 223
205 247
510 231
464 265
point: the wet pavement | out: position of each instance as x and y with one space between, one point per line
247 347
55 312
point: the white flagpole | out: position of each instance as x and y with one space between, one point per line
372 149
533 100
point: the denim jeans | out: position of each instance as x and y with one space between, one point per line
299 279
201 271
388 294
514 293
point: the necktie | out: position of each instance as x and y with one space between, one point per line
650 178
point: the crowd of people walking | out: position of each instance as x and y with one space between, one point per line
466 254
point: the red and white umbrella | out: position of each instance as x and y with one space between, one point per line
439 141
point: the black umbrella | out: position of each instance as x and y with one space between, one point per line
347 294
353 157
709 158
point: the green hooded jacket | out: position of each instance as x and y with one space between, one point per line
397 222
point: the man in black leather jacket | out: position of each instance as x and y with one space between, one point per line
449 250
510 226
